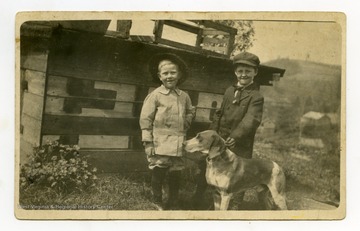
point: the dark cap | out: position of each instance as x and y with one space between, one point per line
157 58
247 59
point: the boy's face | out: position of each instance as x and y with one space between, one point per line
245 74
169 75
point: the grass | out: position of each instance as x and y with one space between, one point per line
112 191
315 173
310 173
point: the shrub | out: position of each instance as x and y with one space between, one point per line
57 166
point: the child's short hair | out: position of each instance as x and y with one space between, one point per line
156 59
166 62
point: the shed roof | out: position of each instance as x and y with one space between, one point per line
313 115
216 64
334 118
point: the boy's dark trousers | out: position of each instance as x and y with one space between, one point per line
157 182
174 185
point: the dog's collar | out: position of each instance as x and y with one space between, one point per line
208 159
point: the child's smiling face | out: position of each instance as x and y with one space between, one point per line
245 74
169 74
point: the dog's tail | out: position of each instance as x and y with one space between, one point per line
280 178
279 182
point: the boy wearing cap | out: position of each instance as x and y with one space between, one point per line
240 113
166 115
242 107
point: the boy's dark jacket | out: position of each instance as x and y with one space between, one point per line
240 120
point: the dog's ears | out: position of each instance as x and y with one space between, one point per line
217 146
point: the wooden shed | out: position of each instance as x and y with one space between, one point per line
314 128
267 128
83 84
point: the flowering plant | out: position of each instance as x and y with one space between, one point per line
58 166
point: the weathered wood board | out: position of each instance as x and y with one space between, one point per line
31 132
33 105
103 141
35 82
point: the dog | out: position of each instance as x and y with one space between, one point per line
229 173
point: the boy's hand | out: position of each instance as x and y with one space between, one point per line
230 142
149 148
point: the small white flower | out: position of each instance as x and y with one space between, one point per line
76 147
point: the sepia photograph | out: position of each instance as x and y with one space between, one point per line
181 116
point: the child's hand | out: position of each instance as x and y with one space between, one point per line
149 148
230 142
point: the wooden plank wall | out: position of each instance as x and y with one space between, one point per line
95 89
33 64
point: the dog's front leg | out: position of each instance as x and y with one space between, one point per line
225 200
217 200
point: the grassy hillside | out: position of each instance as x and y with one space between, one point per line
294 67
306 86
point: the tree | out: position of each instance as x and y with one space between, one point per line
245 34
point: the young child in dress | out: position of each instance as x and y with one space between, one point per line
165 117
